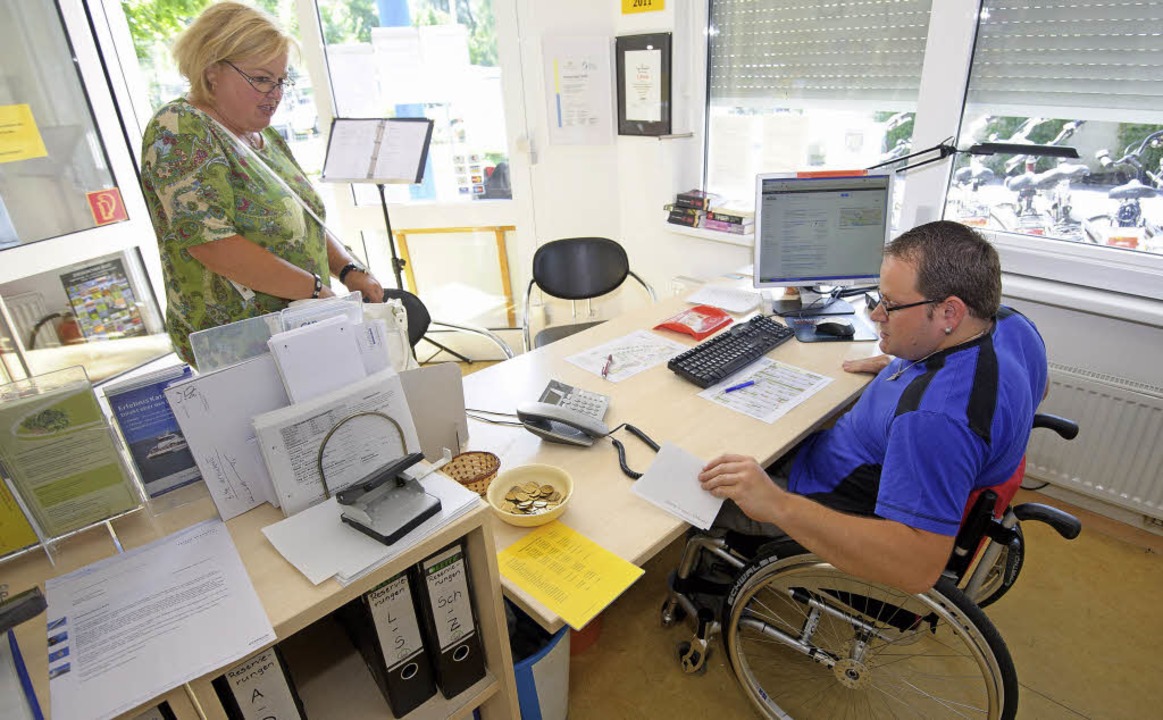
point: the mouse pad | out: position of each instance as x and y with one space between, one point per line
805 329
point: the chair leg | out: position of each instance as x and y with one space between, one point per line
444 348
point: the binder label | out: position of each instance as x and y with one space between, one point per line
395 619
261 689
448 589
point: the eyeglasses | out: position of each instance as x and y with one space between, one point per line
889 309
264 85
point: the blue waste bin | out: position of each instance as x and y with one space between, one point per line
543 680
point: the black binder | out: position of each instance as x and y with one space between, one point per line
454 641
260 688
385 625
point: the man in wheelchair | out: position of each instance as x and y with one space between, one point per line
855 530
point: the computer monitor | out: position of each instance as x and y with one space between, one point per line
826 228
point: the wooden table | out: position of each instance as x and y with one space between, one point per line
658 402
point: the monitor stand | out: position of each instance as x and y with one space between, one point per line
802 302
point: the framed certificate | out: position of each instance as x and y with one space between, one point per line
643 74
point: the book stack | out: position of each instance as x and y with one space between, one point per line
730 220
689 208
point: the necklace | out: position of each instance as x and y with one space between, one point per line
905 369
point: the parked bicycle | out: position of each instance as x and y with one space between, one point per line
1129 227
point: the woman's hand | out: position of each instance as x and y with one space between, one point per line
871 365
366 285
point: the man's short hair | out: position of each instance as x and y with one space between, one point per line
952 259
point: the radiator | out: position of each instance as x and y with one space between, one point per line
26 310
1118 454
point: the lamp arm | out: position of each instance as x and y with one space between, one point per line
945 149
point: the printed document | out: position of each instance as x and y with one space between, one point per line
672 483
289 439
130 627
776 389
567 572
627 356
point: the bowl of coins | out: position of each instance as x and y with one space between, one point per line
530 495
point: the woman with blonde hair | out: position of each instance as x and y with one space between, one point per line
238 224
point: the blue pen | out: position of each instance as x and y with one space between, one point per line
740 386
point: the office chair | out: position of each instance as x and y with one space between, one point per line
806 640
580 268
419 320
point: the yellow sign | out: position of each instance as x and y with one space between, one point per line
567 572
19 138
15 532
630 7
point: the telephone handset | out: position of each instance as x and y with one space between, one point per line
566 414
560 424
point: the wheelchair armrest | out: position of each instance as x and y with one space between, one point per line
1066 524
1066 429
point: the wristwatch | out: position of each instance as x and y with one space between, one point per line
348 268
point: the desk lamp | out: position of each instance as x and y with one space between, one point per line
945 148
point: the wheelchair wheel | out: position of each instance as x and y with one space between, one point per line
808 641
1004 572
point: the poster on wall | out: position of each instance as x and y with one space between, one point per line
643 73
103 301
578 90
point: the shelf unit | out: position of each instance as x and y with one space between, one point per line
300 611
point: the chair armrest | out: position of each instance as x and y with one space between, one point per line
483 332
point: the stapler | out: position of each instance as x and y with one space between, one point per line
386 504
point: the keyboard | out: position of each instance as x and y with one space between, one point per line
729 352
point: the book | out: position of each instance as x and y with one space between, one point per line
677 209
259 688
698 199
728 227
683 219
103 301
453 641
738 217
157 449
384 625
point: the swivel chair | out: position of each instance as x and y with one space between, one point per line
806 640
580 268
419 320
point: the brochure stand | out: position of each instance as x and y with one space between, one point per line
381 151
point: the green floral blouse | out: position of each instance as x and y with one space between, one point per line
200 187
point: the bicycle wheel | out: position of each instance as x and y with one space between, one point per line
808 641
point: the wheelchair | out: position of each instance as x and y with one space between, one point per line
806 640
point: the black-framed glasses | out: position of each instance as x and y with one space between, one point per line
890 309
264 85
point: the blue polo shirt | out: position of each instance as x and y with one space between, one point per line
914 446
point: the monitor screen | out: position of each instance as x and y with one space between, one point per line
823 229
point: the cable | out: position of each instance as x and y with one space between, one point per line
632 474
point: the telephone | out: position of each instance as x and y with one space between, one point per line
566 414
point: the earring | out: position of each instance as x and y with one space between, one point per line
948 331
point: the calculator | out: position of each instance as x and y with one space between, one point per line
573 398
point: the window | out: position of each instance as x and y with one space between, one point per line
425 58
1082 74
797 84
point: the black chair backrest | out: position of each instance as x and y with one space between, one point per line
580 268
418 317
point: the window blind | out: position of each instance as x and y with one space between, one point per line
1070 56
792 52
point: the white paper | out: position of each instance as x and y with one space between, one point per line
672 483
643 85
290 438
215 412
146 621
380 150
578 90
321 546
628 355
733 300
318 358
777 389
371 337
400 151
349 150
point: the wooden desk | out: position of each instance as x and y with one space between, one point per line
665 407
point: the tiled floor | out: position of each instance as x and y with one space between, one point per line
1082 624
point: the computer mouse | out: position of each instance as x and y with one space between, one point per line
835 328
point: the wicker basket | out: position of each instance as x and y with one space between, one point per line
474 470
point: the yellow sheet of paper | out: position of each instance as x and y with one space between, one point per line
567 572
15 532
19 138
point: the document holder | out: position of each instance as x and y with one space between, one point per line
384 504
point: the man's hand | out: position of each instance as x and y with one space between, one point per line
366 284
741 479
871 365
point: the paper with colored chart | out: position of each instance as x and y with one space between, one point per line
567 572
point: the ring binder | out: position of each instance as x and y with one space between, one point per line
455 644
